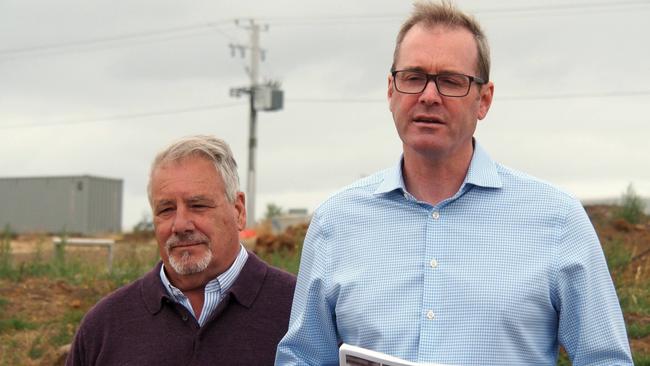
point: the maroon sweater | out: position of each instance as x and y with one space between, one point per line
139 324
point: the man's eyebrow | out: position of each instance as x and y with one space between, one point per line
199 199
422 70
414 68
163 202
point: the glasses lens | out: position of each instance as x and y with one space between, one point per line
410 81
453 85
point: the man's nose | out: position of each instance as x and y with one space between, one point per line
430 94
182 221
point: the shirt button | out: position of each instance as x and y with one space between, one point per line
431 315
433 263
435 215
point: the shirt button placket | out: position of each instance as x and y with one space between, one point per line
429 314
434 263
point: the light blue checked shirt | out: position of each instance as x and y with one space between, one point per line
502 273
214 290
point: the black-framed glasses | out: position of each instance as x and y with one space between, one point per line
448 84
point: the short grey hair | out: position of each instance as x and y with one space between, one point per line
209 147
444 13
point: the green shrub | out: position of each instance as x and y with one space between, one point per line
5 252
12 354
618 257
638 331
289 260
632 206
634 299
641 360
66 327
36 350
15 324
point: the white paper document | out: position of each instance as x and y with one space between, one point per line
356 356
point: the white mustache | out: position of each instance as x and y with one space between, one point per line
186 239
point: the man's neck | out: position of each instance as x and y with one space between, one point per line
193 287
432 179
191 282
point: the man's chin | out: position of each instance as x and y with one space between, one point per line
184 263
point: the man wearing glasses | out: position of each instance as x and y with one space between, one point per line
450 257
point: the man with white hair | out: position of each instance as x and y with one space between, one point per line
209 301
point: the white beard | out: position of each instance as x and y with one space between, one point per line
184 263
188 264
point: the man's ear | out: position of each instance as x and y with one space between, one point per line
240 210
487 92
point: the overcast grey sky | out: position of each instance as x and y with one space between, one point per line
98 87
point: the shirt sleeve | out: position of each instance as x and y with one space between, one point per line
312 336
591 326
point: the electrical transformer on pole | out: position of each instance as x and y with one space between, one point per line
262 97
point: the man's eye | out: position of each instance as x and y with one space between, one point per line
413 77
452 80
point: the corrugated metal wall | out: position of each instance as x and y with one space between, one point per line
104 205
76 204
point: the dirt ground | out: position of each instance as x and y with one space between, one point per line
51 308
44 301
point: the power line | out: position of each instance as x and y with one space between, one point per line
155 35
145 36
118 117
382 18
333 20
161 113
338 100
93 48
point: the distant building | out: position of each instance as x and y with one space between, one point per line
295 216
74 204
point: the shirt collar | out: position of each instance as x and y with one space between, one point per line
482 172
227 278
221 283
